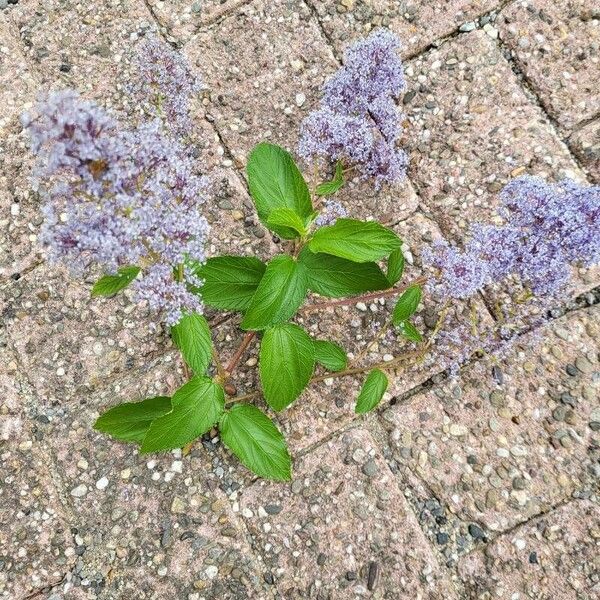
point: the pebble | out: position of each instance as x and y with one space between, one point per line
370 468
458 430
80 491
102 483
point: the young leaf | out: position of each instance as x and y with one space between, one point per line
286 364
130 421
111 284
197 406
192 336
276 182
372 391
358 241
407 304
288 219
330 355
229 281
338 278
409 331
279 294
256 441
395 266
328 188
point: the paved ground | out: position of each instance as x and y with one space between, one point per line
482 487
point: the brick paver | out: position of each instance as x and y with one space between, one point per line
555 43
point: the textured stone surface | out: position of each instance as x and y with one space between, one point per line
342 529
257 82
417 23
556 43
472 127
18 83
499 453
553 556
586 145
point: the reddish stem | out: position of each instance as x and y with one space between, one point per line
240 351
355 299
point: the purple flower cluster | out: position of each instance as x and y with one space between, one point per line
118 196
332 211
547 227
358 121
163 84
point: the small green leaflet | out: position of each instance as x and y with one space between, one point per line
372 391
409 331
256 441
275 182
192 336
330 355
336 277
130 421
229 281
407 304
358 241
328 188
279 294
395 266
197 406
111 284
286 364
288 219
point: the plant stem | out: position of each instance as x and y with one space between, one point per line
239 353
364 297
346 373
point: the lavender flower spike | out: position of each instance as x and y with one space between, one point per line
358 121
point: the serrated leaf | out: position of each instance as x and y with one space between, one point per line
358 241
256 441
192 336
279 294
275 182
409 331
407 304
336 277
111 284
197 406
287 218
229 281
395 266
130 421
328 188
286 364
330 355
372 391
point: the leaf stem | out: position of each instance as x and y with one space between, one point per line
239 353
364 297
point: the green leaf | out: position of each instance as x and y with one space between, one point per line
256 441
409 331
229 281
338 278
279 294
288 219
287 362
197 406
395 266
130 421
111 284
372 391
358 241
330 355
328 188
275 182
407 304
192 336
